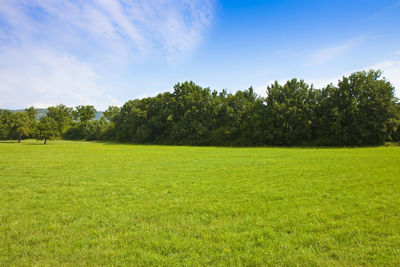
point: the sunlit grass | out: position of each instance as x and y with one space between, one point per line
84 203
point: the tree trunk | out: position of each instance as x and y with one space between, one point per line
19 138
45 140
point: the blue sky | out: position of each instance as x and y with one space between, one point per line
105 52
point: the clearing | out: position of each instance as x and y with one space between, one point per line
88 203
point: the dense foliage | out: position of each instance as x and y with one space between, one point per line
360 110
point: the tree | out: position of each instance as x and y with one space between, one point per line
396 130
111 112
5 124
107 122
89 130
365 104
21 125
32 114
145 121
191 108
47 129
62 115
290 111
360 110
247 107
84 113
326 123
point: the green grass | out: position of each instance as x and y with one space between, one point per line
86 203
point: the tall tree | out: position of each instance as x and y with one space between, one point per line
111 112
47 129
6 118
290 113
396 129
62 115
21 125
84 113
360 110
366 106
32 114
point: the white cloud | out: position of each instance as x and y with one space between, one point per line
328 53
56 51
40 77
390 69
398 53
122 28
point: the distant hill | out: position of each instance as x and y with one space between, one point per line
43 111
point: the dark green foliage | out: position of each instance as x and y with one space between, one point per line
62 115
146 120
88 130
5 124
47 129
395 123
360 110
84 113
111 112
107 119
21 125
32 113
40 112
191 109
192 115
290 112
17 125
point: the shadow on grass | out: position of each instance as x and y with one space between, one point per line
49 142
34 144
226 146
26 142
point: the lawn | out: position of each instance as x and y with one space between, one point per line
88 203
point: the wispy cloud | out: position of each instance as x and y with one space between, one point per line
390 69
135 27
39 76
56 51
329 53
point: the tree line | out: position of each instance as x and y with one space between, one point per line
360 110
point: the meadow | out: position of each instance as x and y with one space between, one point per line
91 203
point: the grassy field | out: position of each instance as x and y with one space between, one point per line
85 203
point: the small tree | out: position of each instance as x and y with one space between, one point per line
46 129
